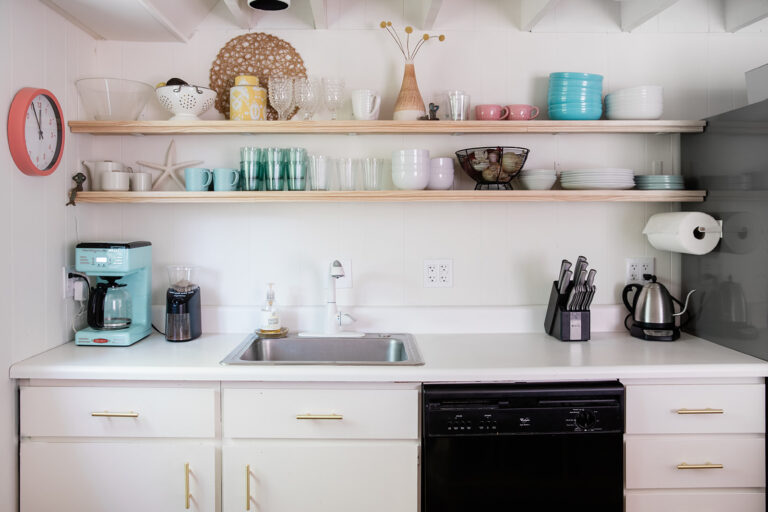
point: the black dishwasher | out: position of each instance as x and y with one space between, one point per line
523 447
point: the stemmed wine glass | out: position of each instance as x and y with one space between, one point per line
281 95
333 94
306 95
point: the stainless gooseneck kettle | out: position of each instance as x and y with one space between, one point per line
652 311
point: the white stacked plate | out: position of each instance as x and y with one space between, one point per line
642 102
603 178
659 182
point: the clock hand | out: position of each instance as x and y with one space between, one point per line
37 119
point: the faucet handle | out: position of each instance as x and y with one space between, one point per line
341 316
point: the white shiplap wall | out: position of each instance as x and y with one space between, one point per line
38 48
505 255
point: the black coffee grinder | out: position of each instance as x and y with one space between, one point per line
182 306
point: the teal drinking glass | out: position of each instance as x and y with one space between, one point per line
275 169
297 169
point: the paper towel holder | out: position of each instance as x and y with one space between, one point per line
700 231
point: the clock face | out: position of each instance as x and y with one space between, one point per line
42 128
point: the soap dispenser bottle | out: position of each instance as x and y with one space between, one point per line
270 316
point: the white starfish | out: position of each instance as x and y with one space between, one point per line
169 168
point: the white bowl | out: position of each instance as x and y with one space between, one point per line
113 99
186 101
412 178
538 183
410 156
440 173
637 113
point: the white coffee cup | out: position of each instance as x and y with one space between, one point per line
141 181
95 168
115 181
365 104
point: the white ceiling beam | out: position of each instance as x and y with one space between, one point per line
244 16
533 11
319 13
636 12
742 13
430 8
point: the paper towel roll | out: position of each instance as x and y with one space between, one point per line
677 232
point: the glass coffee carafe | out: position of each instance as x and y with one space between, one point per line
109 306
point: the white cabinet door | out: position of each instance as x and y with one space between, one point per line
117 477
321 476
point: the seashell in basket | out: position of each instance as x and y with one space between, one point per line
186 102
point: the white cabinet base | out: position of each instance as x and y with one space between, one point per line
699 501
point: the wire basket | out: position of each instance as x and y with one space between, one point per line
492 166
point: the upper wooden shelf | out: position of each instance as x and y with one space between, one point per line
394 196
379 127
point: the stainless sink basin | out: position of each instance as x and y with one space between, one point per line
373 349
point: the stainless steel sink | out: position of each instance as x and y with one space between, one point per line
373 349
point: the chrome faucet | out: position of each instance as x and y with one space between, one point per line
334 319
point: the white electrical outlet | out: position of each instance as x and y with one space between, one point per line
636 267
68 284
438 273
346 281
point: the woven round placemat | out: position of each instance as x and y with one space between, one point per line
256 54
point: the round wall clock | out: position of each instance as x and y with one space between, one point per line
36 131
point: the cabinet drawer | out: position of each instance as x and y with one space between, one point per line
696 409
700 501
320 413
117 412
653 463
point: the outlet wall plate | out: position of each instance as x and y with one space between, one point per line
638 266
438 273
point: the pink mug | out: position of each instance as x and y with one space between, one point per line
491 112
522 112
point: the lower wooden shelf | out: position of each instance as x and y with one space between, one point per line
394 196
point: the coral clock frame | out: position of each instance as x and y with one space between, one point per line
46 125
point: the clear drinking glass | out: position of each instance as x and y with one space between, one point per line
372 173
250 171
347 170
306 95
333 94
319 172
281 95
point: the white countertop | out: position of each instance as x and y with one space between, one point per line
448 357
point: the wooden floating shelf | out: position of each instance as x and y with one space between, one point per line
394 196
379 127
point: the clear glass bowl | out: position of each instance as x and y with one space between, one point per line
113 99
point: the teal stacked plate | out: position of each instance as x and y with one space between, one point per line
659 182
575 96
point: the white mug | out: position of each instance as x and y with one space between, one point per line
95 168
141 181
440 173
114 181
365 104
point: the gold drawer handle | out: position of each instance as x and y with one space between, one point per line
700 411
319 417
186 486
107 414
706 465
247 487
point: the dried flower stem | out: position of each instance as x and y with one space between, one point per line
406 50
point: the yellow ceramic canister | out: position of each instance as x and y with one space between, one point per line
247 101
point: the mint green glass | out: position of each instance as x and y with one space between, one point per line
225 179
297 169
251 170
197 179
275 169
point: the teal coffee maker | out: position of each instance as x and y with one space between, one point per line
120 295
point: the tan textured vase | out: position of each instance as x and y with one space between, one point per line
409 105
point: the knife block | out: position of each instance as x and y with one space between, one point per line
562 324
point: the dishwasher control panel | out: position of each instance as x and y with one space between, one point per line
476 410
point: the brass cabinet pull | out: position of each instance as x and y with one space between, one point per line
700 411
247 487
186 486
319 417
706 465
107 414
